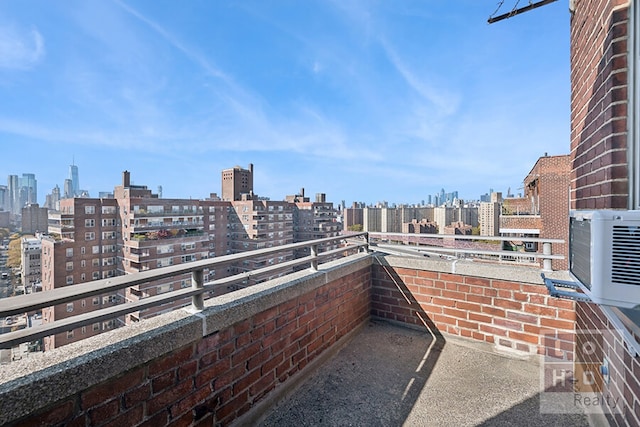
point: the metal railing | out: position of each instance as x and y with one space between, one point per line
32 302
454 245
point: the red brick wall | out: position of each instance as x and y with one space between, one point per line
624 385
599 32
223 375
512 315
553 189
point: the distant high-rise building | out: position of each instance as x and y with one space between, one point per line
75 180
4 198
52 200
21 191
68 189
160 191
236 182
28 189
13 186
489 215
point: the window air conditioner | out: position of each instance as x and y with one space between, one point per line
604 255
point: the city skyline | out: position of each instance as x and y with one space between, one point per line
363 102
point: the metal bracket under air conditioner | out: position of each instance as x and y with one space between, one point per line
553 285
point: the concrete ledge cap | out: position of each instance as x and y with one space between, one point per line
229 309
508 272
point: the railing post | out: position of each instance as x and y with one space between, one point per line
314 260
197 301
546 262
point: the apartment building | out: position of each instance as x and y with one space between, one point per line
489 215
98 238
419 227
257 223
546 198
236 182
158 233
459 228
82 246
391 220
315 220
30 266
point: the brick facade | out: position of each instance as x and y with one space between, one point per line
600 177
599 38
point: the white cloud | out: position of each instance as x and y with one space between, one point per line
445 102
20 49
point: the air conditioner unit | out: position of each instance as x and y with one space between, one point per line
604 255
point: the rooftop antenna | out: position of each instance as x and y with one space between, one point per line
515 11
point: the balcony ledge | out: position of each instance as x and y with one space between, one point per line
39 381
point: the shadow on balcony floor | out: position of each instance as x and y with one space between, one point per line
389 376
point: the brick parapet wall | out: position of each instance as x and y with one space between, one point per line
513 314
264 338
599 84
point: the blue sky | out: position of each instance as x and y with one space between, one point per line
362 100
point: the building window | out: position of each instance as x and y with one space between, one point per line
69 252
107 325
108 209
82 250
96 275
95 326
164 262
89 222
95 249
96 301
83 277
83 263
90 235
69 334
84 330
164 288
89 210
70 266
69 307
69 280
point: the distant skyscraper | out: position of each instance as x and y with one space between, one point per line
4 198
53 199
75 180
68 189
29 189
13 186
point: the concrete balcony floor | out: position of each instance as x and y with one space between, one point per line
389 375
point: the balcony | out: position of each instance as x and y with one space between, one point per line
368 339
148 240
